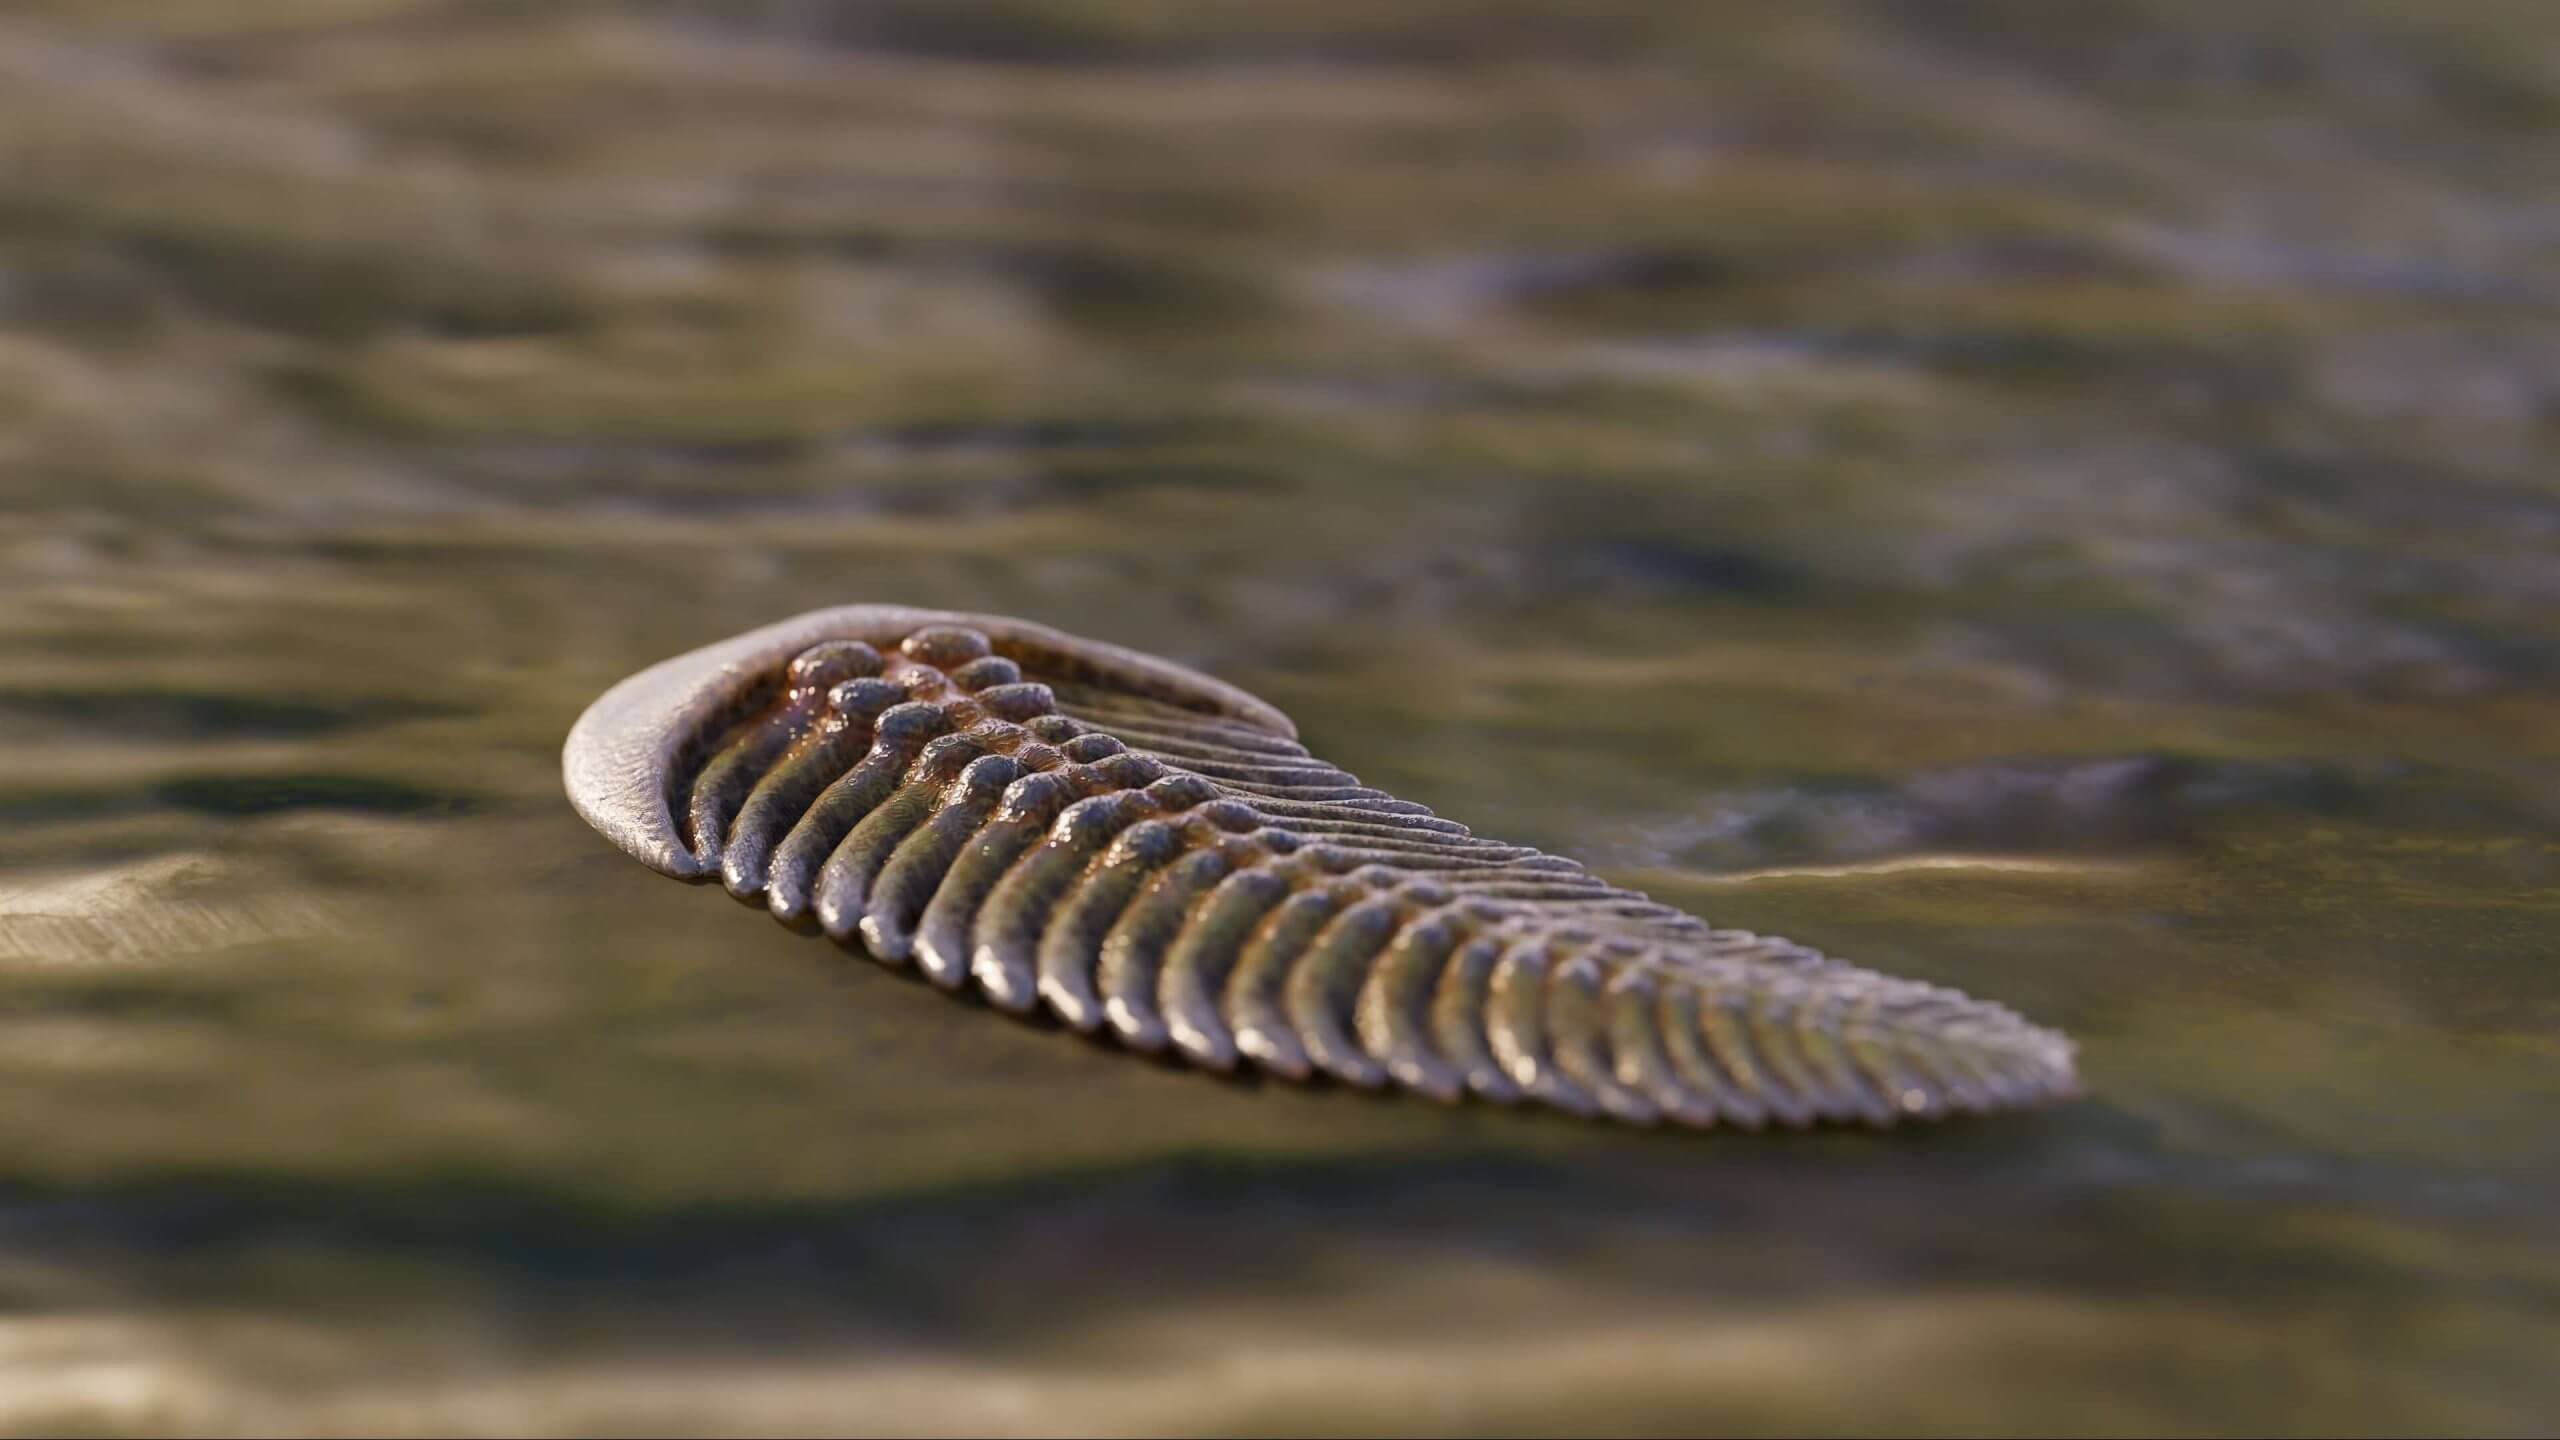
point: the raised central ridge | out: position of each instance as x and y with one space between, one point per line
1149 853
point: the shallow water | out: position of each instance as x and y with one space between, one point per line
2062 509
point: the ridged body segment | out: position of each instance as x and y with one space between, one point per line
1146 852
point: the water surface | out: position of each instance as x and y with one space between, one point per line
2061 506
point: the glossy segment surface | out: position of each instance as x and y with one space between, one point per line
1144 851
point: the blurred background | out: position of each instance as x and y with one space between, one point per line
2055 499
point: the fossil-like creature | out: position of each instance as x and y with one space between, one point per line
1149 852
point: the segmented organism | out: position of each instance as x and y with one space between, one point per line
1150 854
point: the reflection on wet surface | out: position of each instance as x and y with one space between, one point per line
2057 506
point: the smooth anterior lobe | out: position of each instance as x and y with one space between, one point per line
1147 853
